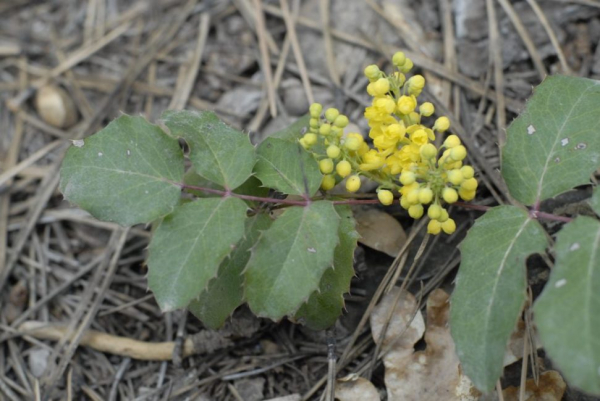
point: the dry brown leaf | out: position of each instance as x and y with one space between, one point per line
355 388
551 388
433 374
380 231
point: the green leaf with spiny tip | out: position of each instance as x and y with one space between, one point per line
218 152
189 245
325 305
127 173
595 200
287 167
490 289
225 292
290 258
567 312
553 145
294 131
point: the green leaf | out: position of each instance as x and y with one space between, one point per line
294 131
287 167
252 186
189 245
127 173
290 258
553 145
225 293
218 152
567 312
595 200
490 289
325 305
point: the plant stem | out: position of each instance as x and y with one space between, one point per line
533 212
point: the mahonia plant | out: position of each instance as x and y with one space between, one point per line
404 158
225 233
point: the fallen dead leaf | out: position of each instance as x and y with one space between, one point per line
379 230
355 388
551 387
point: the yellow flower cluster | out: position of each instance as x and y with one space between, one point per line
403 158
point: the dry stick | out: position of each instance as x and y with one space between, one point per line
249 14
527 41
181 96
495 49
499 391
329 55
291 31
13 171
82 102
88 24
150 97
91 314
50 182
423 61
264 54
112 395
449 52
553 39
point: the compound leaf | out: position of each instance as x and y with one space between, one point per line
127 173
553 145
189 245
290 258
225 293
566 313
294 131
218 152
252 186
325 305
287 167
490 289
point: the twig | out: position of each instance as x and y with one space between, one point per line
495 50
264 54
326 29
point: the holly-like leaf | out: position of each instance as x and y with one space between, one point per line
127 173
294 131
189 245
553 145
287 167
218 152
290 258
225 293
566 313
595 200
490 289
325 305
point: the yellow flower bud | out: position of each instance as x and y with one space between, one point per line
449 195
415 84
441 124
326 166
341 121
337 131
385 197
428 151
455 177
353 183
415 211
426 109
333 152
328 182
434 227
407 177
353 141
467 172
325 129
458 153
466 195
313 123
315 110
406 104
304 144
372 72
444 216
452 141
425 196
343 168
469 184
434 211
398 59
413 196
449 226
310 139
331 114
381 87
407 66
404 202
